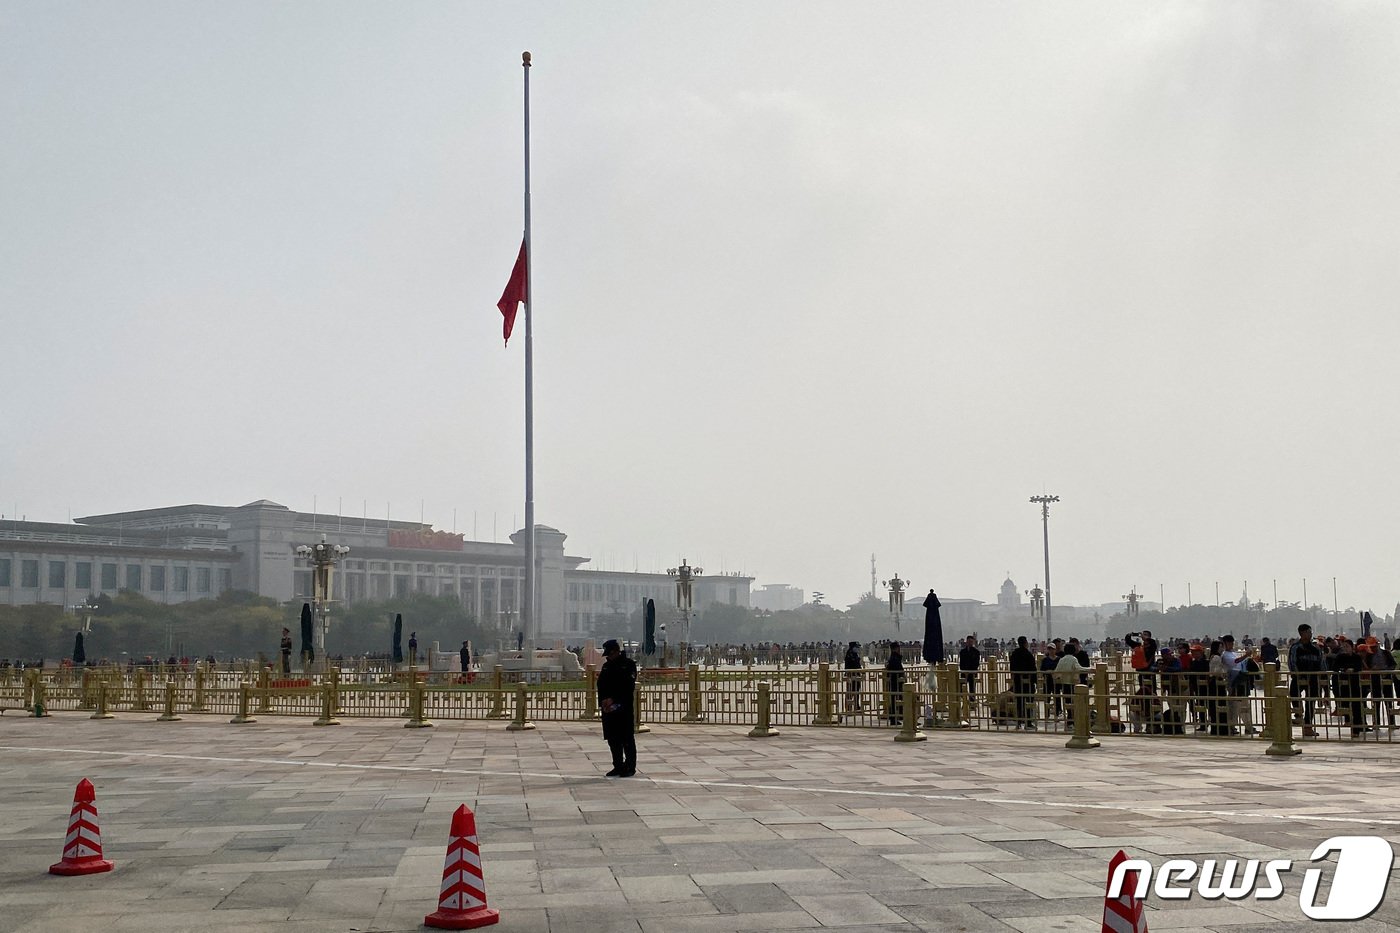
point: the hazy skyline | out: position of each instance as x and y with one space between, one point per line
812 280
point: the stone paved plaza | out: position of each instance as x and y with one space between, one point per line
279 825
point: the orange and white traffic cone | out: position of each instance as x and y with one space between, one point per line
1124 913
462 900
82 850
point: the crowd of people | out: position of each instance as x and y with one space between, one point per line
1206 684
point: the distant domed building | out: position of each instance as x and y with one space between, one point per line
1009 599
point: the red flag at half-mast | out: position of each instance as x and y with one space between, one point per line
517 290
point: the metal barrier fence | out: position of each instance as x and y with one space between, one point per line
1271 705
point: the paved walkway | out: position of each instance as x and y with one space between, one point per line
282 826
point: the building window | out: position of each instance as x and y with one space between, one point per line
133 577
598 592
109 576
4 571
58 575
82 575
573 592
401 585
29 574
201 579
225 579
182 579
158 579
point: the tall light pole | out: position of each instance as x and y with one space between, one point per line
323 558
1045 525
685 576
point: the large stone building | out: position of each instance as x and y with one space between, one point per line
191 552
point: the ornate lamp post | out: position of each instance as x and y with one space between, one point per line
685 576
323 557
897 588
1037 596
1132 597
85 609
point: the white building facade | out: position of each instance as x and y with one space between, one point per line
190 552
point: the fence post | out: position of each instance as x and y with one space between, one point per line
1081 737
520 723
637 725
590 691
1279 714
692 695
958 712
1270 680
143 704
41 705
498 696
244 697
1101 723
909 729
333 672
264 690
327 708
85 690
826 711
198 705
764 728
30 678
168 715
416 719
101 701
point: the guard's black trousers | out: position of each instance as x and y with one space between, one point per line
617 729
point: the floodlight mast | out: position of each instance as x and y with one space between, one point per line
1045 527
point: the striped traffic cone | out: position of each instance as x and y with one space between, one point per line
82 850
462 900
1124 913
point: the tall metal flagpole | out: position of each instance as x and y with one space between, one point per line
528 623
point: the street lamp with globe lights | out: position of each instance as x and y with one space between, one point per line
323 557
685 576
897 589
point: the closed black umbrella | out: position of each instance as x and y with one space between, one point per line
933 630
308 653
398 638
79 653
649 629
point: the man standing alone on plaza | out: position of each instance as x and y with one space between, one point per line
616 683
286 651
465 655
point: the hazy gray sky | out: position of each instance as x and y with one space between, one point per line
812 280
